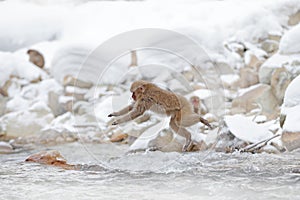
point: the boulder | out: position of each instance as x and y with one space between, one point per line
5 147
258 96
289 43
154 137
118 137
54 104
290 62
274 36
166 141
252 61
3 101
291 140
294 18
248 77
270 46
280 80
290 116
27 122
52 136
51 157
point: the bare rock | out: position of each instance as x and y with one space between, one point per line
270 46
291 140
259 96
10 88
3 101
54 104
166 142
294 19
254 62
274 37
280 80
118 137
52 157
72 81
36 58
248 77
53 136
230 81
224 68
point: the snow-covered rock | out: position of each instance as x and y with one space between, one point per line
256 97
142 142
280 80
290 62
294 18
290 111
3 102
290 42
248 77
247 130
11 64
292 94
5 147
27 122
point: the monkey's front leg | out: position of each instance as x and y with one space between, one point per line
122 112
130 116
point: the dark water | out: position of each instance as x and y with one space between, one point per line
109 173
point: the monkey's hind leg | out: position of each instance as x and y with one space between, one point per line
189 120
182 132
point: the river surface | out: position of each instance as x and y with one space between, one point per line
109 173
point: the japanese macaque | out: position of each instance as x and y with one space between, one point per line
196 104
36 58
148 96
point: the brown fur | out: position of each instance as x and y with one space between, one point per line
148 96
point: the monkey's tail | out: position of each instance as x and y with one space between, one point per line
205 122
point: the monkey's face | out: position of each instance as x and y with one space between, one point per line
137 94
195 101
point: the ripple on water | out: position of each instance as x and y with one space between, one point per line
206 175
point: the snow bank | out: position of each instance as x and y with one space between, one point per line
290 42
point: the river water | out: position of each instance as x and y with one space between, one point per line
109 173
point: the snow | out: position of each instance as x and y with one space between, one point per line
247 130
23 24
111 104
291 106
229 79
278 60
68 32
29 121
11 64
81 26
292 93
290 42
292 120
151 133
